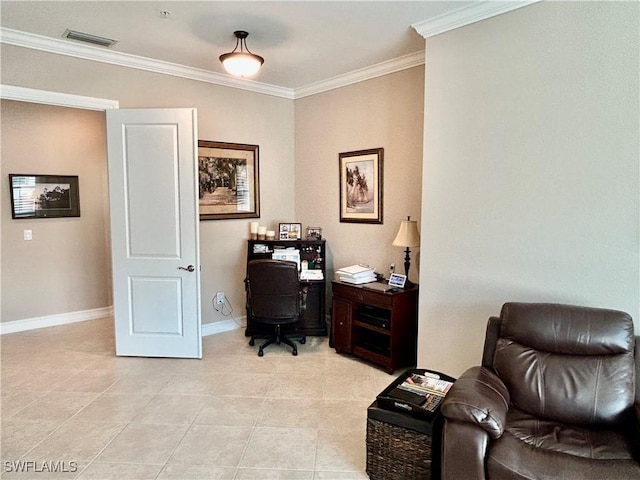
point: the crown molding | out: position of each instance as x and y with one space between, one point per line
96 54
22 94
384 68
63 47
467 15
429 28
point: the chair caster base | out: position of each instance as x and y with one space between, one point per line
278 338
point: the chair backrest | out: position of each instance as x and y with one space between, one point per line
567 363
274 289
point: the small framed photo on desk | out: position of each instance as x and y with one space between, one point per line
290 231
397 280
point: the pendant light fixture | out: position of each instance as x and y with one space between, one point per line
242 63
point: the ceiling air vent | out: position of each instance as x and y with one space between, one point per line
88 38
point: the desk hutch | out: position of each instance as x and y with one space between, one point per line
312 322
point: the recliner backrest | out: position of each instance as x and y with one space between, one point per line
566 363
274 288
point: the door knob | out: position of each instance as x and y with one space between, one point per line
190 268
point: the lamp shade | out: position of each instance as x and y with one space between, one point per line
408 235
241 64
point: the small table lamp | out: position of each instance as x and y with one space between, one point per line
408 236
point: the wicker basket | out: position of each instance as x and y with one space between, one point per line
397 453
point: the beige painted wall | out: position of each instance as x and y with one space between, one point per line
224 114
384 112
531 170
65 268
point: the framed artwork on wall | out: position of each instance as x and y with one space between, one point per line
361 177
229 181
44 196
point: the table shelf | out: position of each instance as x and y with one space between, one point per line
380 327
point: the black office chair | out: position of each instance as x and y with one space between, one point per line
275 297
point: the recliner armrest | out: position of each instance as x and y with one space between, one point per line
636 406
481 398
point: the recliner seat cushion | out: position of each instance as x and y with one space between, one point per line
534 448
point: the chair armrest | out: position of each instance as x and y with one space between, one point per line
636 407
490 340
637 359
478 397
304 290
463 451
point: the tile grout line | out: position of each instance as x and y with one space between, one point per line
253 427
65 422
281 367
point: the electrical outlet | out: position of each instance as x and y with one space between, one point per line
219 298
392 268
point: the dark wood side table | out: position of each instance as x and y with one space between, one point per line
377 326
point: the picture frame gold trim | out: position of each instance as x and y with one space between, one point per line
361 186
228 180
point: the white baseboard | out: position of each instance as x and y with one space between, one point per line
74 317
219 327
54 320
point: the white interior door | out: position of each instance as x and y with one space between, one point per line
153 194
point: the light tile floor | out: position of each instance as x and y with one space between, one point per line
69 404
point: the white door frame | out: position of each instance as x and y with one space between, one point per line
45 97
31 95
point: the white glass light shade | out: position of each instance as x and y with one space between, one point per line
241 64
408 235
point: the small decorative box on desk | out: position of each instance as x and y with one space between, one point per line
403 439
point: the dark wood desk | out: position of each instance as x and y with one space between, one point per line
312 322
378 326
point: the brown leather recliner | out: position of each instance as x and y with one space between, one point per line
555 398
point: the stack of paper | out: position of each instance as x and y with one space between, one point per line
356 274
290 254
311 275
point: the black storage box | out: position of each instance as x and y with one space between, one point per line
401 447
403 440
385 400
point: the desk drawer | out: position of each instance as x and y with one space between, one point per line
362 295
